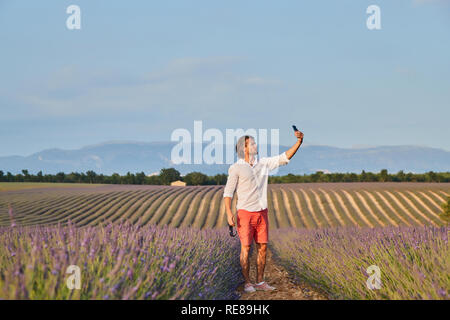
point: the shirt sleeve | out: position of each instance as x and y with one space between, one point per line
232 181
275 161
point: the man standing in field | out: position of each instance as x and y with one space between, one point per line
249 177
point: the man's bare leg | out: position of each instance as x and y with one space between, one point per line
245 262
261 261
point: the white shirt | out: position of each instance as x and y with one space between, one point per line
250 182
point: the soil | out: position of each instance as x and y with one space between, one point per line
276 276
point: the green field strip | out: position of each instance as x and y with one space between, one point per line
75 208
421 210
193 209
44 215
430 202
40 208
124 215
148 215
222 220
173 205
87 207
298 207
364 210
334 207
325 208
118 209
49 215
378 214
440 198
137 216
388 209
83 218
125 211
214 211
78 216
397 209
161 212
320 216
291 209
213 208
305 208
53 208
273 222
282 215
38 216
305 199
37 203
432 196
445 194
21 202
200 219
426 204
38 186
353 208
182 210
411 208
20 209
346 218
401 206
33 219
32 207
275 211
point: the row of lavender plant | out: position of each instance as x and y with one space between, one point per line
118 262
414 262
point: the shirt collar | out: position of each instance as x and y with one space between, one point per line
241 161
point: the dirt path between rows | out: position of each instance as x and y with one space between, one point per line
276 276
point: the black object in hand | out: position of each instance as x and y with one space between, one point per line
295 128
231 231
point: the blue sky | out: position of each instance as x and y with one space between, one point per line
138 70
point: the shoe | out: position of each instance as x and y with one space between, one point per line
264 287
248 287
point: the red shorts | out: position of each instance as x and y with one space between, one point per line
252 225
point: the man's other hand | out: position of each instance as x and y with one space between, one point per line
231 220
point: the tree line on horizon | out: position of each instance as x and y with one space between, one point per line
168 175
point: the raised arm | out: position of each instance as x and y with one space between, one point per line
283 158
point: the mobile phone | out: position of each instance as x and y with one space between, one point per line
295 128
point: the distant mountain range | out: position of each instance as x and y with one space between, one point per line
125 156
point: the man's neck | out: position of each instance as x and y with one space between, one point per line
249 159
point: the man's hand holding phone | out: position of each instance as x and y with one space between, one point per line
298 133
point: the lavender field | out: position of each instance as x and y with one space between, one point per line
161 242
118 262
414 262
300 205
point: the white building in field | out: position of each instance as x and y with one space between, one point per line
178 183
